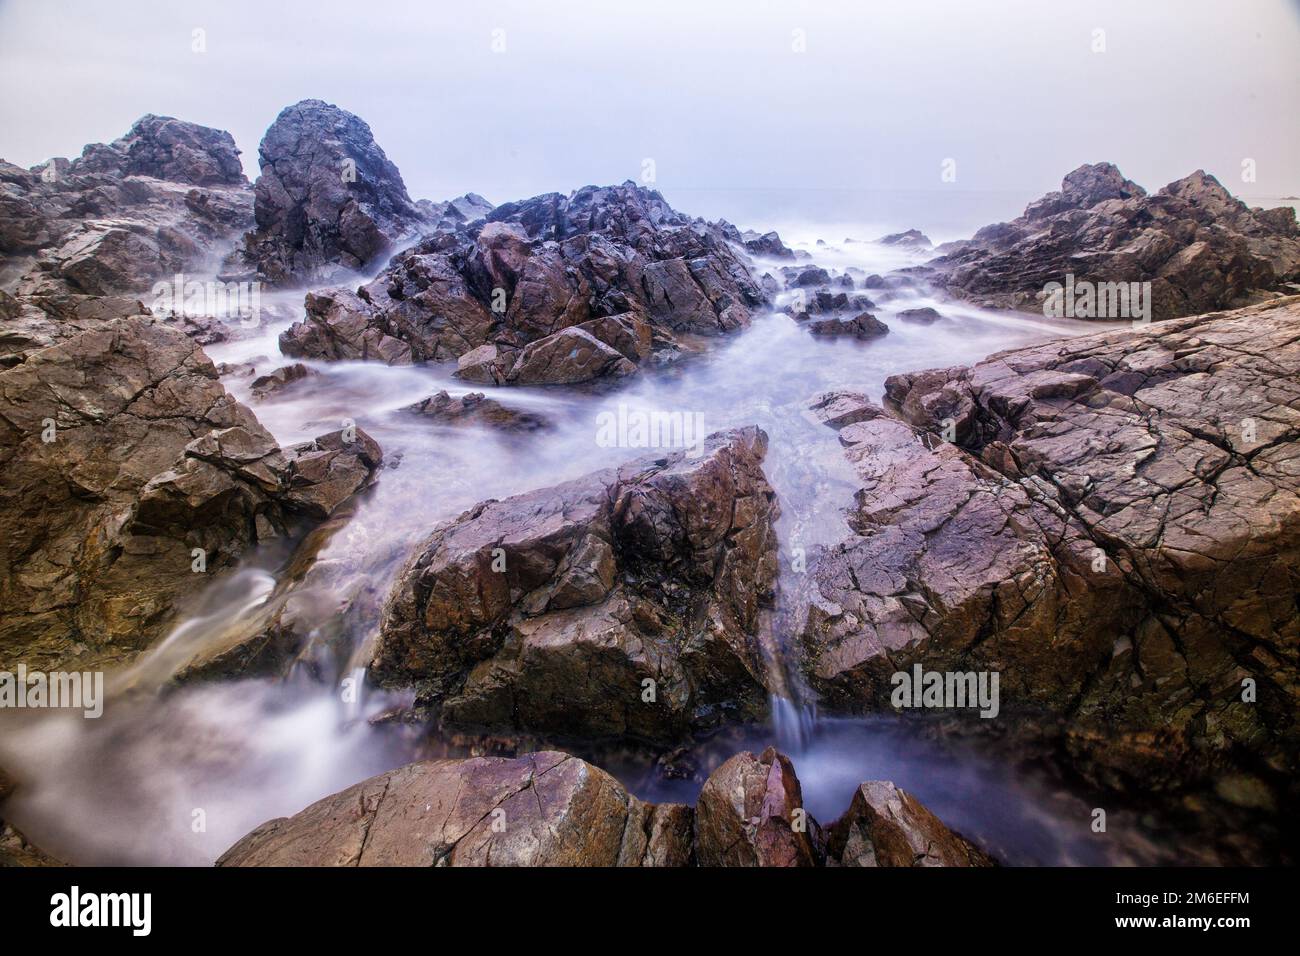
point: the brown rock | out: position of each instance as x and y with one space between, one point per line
543 809
476 409
886 826
1114 536
625 603
122 455
750 813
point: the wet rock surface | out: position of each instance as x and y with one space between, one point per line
476 409
887 826
328 199
1113 529
543 809
750 813
155 201
557 289
627 603
122 457
553 809
1199 247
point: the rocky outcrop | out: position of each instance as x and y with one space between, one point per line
912 239
476 409
328 200
750 813
1200 248
887 826
1113 528
128 474
627 603
616 265
768 245
170 149
553 809
281 378
167 190
543 809
861 326
921 316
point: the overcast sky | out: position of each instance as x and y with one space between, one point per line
716 93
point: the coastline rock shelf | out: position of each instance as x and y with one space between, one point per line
1109 522
1199 247
553 809
1115 530
551 290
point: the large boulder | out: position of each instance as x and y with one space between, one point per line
129 473
1113 527
887 826
542 809
166 148
176 184
618 263
750 813
627 603
328 199
1199 247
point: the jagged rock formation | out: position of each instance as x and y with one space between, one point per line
552 809
1200 248
1115 530
887 826
328 199
83 242
543 809
121 456
616 267
476 409
626 603
750 813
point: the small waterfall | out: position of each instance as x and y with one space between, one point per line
793 723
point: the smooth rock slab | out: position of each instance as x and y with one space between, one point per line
543 809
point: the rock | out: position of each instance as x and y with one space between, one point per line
1108 537
925 316
887 826
16 850
276 381
912 239
542 809
550 611
325 472
862 326
537 269
123 456
476 409
485 365
1198 247
807 277
750 813
166 197
842 407
328 200
170 149
768 245
567 357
